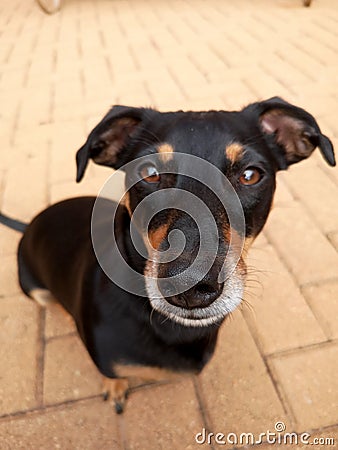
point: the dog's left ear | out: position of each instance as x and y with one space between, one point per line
293 130
106 142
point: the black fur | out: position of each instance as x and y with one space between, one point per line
56 251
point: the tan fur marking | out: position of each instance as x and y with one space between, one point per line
126 202
231 235
116 389
236 242
42 296
156 236
234 152
165 150
146 373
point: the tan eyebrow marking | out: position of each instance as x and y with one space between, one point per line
234 152
165 150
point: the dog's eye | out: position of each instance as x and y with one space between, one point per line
150 174
250 176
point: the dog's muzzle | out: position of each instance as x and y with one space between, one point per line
207 302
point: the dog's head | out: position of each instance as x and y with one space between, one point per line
189 160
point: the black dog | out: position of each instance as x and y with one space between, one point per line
157 333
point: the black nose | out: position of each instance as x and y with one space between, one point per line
199 296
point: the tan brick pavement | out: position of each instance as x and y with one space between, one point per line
276 361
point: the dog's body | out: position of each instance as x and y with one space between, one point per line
114 325
176 332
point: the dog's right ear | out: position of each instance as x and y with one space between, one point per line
110 137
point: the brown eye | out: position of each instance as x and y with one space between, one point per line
150 174
250 176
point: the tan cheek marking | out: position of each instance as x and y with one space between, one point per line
126 202
234 152
236 240
157 236
231 234
166 151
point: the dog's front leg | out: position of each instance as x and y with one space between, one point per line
116 389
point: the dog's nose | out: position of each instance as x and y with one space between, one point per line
199 296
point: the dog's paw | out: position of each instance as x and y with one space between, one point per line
116 390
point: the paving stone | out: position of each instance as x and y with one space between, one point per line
67 138
163 417
323 299
63 113
58 321
320 51
331 174
307 253
317 192
9 240
321 104
63 90
280 316
8 276
283 194
283 71
69 372
264 85
297 58
88 425
22 198
40 113
237 390
330 120
18 353
60 191
310 384
29 143
259 243
334 239
94 181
